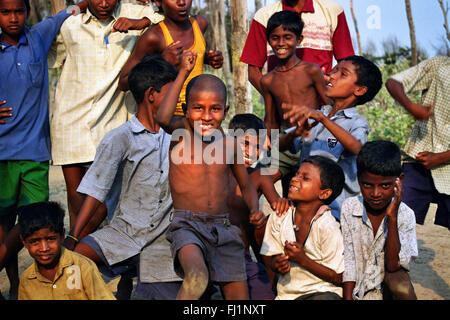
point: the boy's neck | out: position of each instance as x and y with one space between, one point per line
10 39
341 104
147 117
182 25
288 64
296 4
308 209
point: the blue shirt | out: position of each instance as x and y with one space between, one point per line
24 86
132 163
322 142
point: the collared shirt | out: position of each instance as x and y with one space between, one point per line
324 245
133 162
77 278
364 253
88 102
24 86
432 77
323 143
325 34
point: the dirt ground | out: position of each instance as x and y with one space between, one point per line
430 272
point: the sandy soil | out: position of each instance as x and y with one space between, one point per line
430 272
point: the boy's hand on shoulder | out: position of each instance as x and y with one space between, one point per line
4 112
124 24
421 112
258 219
281 264
392 209
214 58
281 206
299 115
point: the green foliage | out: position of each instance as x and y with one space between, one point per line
387 119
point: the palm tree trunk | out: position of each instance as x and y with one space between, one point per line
358 38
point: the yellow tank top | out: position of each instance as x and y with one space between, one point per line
199 45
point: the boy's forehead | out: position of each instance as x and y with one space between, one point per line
211 94
12 3
347 65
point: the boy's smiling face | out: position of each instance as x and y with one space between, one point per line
44 246
205 111
13 14
376 190
342 82
306 184
102 9
283 42
249 145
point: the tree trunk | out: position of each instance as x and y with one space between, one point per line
444 8
223 46
57 6
358 38
239 30
258 5
412 33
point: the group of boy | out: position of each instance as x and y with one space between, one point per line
174 222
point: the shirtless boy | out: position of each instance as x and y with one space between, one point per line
205 246
292 81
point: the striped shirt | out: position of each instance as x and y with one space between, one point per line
432 77
325 34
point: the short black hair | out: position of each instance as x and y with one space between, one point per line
369 76
290 20
40 215
27 6
379 157
152 71
211 82
331 176
246 121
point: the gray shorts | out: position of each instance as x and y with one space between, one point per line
219 240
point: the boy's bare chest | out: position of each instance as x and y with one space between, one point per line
290 88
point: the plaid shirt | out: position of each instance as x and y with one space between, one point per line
88 103
431 76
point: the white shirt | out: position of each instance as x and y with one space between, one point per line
324 245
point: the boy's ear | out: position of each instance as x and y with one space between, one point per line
325 194
22 239
300 39
401 177
225 112
360 91
184 107
150 94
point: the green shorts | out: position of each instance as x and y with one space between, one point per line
23 182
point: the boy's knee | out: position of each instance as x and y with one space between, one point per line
195 281
399 284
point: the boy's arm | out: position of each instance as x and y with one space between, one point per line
88 208
164 116
248 190
148 43
125 24
393 246
269 106
319 83
431 160
418 111
278 204
301 114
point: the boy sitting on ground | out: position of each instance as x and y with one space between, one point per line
57 273
306 243
379 229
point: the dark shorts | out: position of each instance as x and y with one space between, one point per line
22 183
419 191
220 242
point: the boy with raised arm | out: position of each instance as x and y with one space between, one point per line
205 246
337 131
